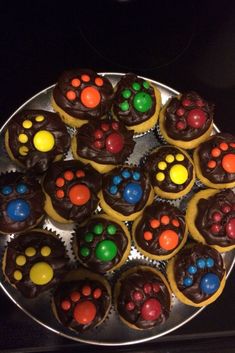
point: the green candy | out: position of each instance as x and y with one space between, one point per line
146 84
106 250
142 102
89 237
124 106
84 251
126 93
98 229
111 229
136 86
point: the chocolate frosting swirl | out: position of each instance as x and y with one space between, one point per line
207 208
189 132
131 116
135 282
156 211
76 108
151 165
36 239
188 257
33 196
35 160
63 206
92 261
86 138
218 174
64 291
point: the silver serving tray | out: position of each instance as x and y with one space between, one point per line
112 331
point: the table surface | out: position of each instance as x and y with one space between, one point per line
185 46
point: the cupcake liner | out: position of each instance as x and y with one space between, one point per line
159 135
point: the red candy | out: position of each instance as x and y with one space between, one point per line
115 126
98 134
217 217
200 103
186 102
151 309
97 293
130 306
230 228
215 228
105 127
65 305
196 118
84 312
75 296
175 223
80 173
228 163
79 194
114 143
98 144
86 290
137 296
60 194
181 125
148 288
156 287
59 182
226 208
68 175
180 111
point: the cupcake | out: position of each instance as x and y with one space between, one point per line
82 95
82 300
35 138
125 192
21 202
102 244
104 144
34 262
197 275
136 103
160 232
142 298
214 161
71 190
186 120
171 171
211 218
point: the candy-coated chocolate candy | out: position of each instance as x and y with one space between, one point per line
6 190
160 176
75 296
179 157
138 296
226 208
136 86
165 219
209 283
148 235
211 164
84 312
186 102
39 118
178 174
75 82
18 210
30 251
99 144
79 194
41 273
126 174
156 287
151 309
21 260
113 189
196 118
23 150
148 288
180 111
215 228
68 175
89 237
98 229
97 293
65 305
23 138
21 188
192 270
181 125
124 106
216 217
106 250
187 282
170 158
132 193
86 290
130 306
99 82
215 152
43 141
154 223
201 263
27 124
230 228
80 173
228 163
136 176
98 134
115 125
45 251
111 229
210 262
117 180
126 93
85 78
71 95
232 144
60 194
175 223
90 97
223 146
114 143
200 103
18 275
105 127
146 84
59 182
162 165
142 102
168 239
84 251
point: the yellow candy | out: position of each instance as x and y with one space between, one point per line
43 141
179 157
178 174
162 165
23 150
160 176
45 251
17 275
27 124
41 273
170 158
20 260
39 118
30 251
23 138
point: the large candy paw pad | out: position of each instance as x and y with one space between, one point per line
223 153
177 171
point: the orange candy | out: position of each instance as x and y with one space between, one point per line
232 144
68 175
165 220
211 164
85 78
90 97
223 146
71 95
97 293
75 296
148 235
75 82
228 163
84 312
79 194
154 223
60 194
86 290
80 173
215 152
66 305
59 182
99 82
168 240
175 222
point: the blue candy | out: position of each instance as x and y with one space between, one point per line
117 180
132 193
209 283
18 210
126 174
187 282
192 270
21 188
113 189
136 176
6 190
210 262
201 263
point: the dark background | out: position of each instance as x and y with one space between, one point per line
183 44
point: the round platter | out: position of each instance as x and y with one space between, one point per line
112 331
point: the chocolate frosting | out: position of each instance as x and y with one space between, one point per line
64 291
131 116
58 260
206 208
156 211
33 196
151 165
86 139
63 206
171 118
117 201
36 160
135 282
75 108
91 261
216 175
188 257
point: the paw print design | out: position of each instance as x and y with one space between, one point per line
223 221
108 137
223 154
18 210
